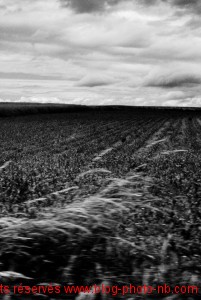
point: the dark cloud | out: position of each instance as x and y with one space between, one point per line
173 80
88 6
178 3
187 6
184 3
84 6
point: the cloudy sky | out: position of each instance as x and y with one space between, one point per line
135 52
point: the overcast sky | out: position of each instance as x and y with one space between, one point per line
135 52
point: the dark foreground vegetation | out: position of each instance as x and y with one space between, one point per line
110 196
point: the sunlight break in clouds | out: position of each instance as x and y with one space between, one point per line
132 52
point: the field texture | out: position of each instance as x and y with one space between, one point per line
103 196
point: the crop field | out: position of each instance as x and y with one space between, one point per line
95 196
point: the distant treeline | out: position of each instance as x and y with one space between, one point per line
15 109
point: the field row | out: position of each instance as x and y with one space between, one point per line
56 150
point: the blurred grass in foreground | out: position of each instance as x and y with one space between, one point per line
124 234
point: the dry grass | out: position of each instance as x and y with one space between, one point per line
123 234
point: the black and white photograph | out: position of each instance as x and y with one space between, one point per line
100 149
